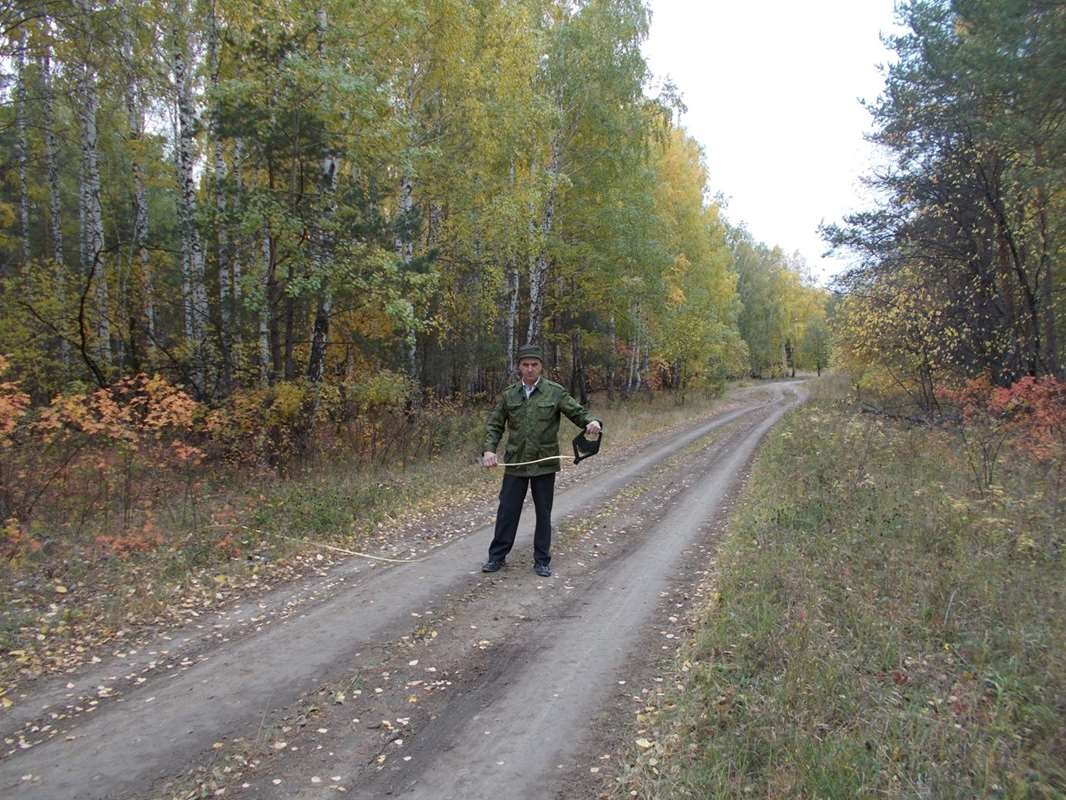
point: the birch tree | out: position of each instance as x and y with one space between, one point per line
142 308
22 147
192 255
323 253
226 278
90 209
51 149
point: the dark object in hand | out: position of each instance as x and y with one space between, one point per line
585 447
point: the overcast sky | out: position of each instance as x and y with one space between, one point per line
772 89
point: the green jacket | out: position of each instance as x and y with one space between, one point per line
533 425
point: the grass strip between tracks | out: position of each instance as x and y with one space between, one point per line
879 628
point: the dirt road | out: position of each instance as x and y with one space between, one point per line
416 680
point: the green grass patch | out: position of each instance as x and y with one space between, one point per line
880 628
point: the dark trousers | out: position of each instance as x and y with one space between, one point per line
512 495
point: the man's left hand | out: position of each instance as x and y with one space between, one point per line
593 428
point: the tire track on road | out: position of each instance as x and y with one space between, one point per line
505 738
157 730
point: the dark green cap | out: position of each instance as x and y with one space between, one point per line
530 351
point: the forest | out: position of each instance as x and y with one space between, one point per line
315 203
960 272
265 266
275 234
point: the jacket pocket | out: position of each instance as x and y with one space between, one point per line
545 409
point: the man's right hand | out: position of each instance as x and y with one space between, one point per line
488 459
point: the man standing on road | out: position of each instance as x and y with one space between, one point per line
530 411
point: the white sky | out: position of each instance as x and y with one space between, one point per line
772 89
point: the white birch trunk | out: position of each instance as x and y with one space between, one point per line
405 249
83 261
225 274
264 312
539 272
513 286
512 320
323 254
186 282
612 338
22 149
90 211
55 211
633 366
196 313
405 246
51 148
323 260
323 257
634 370
238 199
135 135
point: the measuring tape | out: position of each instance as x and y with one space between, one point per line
583 448
524 463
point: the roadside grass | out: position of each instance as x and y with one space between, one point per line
228 531
880 628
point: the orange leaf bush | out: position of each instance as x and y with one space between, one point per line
136 540
1031 411
1034 409
109 452
136 408
13 405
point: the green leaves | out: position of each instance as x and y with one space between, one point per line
372 183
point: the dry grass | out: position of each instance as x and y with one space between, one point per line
881 628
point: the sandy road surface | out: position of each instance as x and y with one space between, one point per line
522 663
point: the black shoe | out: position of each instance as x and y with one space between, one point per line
543 570
492 565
